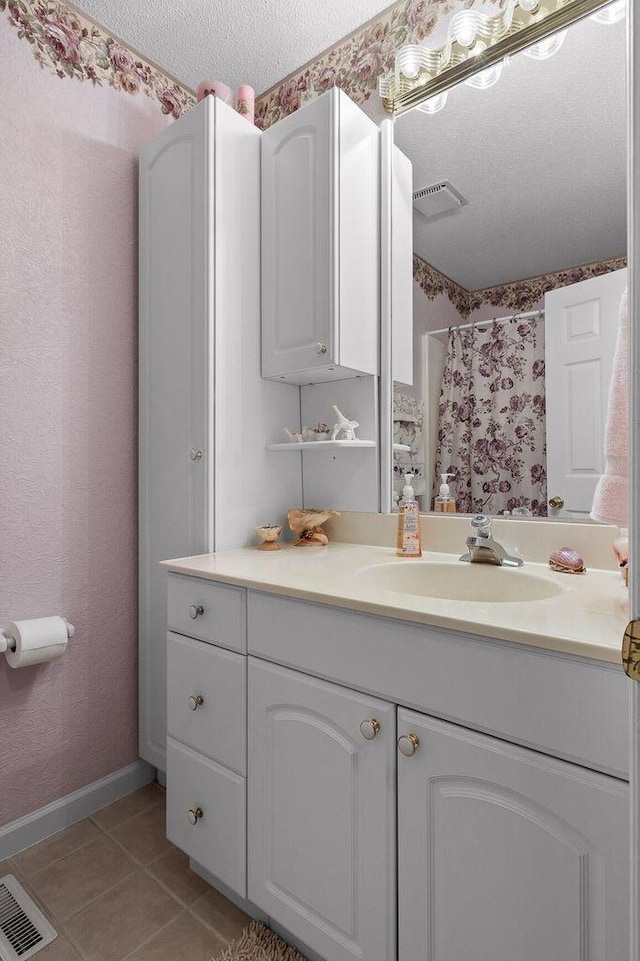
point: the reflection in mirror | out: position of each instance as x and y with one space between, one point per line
519 268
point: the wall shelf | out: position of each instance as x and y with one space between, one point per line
330 445
321 444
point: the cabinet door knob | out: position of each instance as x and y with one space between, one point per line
408 744
195 454
320 348
196 701
196 610
556 502
369 728
194 815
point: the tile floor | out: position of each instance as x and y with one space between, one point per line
114 888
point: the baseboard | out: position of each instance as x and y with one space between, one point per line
41 824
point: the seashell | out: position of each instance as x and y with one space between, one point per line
567 561
307 525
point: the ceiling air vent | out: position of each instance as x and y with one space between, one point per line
24 930
439 199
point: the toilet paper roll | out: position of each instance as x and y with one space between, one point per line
37 640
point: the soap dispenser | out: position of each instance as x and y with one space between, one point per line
409 542
444 502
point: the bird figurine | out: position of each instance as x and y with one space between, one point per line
343 429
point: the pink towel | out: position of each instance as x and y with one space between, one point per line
610 501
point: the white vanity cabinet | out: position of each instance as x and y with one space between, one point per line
321 813
321 243
505 853
411 793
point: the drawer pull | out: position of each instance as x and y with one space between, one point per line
196 610
408 744
196 701
369 728
194 815
320 348
195 454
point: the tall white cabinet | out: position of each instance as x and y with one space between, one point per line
206 478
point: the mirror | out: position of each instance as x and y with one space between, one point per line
519 267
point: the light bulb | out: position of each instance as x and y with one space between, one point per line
464 28
612 13
408 62
546 48
434 104
485 78
530 6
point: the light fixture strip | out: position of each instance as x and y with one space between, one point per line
400 94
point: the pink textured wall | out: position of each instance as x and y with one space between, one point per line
68 332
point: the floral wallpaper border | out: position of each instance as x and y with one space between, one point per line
355 62
517 296
72 45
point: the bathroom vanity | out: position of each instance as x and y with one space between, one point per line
386 774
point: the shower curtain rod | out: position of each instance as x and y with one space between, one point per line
527 315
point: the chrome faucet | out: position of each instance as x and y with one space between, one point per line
482 547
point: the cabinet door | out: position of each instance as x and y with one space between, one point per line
322 813
505 854
175 517
298 174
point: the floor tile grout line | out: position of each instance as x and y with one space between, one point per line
90 817
27 877
136 868
144 943
165 887
145 810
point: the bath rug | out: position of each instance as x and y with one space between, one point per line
257 943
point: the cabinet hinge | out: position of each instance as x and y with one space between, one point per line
631 650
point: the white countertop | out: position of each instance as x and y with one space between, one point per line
587 618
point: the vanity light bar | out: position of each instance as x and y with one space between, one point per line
478 42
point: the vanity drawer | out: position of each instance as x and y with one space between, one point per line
215 798
215 726
208 611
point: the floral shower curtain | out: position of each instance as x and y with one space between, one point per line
491 433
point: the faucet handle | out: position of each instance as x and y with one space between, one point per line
481 525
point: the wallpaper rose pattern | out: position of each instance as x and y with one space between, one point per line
517 296
72 46
491 433
356 62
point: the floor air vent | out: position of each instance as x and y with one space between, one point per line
23 927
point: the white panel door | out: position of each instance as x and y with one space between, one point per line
505 854
175 518
298 218
581 324
321 819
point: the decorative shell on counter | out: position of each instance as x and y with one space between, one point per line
308 525
567 561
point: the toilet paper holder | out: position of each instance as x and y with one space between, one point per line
8 643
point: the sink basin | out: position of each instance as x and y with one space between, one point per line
484 583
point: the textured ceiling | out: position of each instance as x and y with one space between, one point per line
237 41
541 158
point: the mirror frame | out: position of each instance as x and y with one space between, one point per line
451 64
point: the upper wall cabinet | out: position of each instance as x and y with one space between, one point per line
321 243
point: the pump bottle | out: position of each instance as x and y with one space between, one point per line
444 502
409 542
